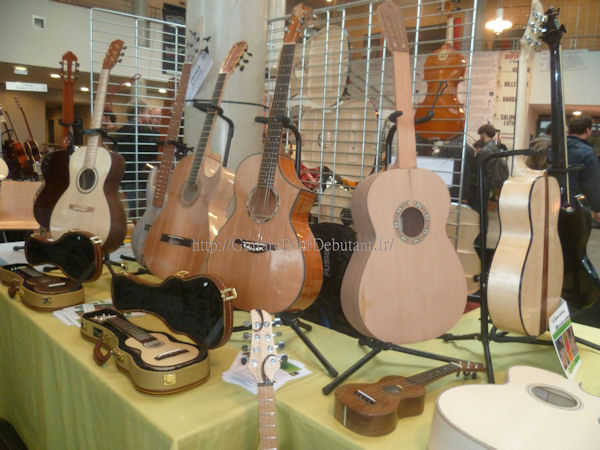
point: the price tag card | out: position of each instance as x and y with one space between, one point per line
202 65
563 338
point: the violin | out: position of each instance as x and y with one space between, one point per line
444 69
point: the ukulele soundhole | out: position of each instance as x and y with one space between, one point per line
262 204
393 389
554 396
412 222
87 179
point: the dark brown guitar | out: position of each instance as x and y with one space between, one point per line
55 165
30 146
374 409
12 151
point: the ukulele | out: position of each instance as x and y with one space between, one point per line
157 183
262 362
30 146
581 284
444 69
266 249
525 277
535 409
200 191
12 150
374 409
406 284
55 165
92 201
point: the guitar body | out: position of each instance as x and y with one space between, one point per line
274 265
391 285
581 285
395 398
151 354
516 281
512 416
55 172
181 236
98 210
140 231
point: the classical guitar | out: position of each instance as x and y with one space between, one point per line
581 284
266 249
158 181
406 284
525 276
92 201
55 165
30 145
12 150
535 409
200 191
156 362
262 362
374 409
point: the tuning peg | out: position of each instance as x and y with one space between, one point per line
244 360
119 60
124 47
474 376
281 345
246 61
205 49
245 348
207 38
277 333
248 53
457 374
242 68
276 321
283 359
247 323
246 335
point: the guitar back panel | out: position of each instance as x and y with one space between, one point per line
55 170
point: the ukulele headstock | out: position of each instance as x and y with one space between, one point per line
392 23
301 14
468 368
235 57
104 317
69 68
261 356
114 54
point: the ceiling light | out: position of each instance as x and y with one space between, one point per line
576 113
498 25
84 88
162 90
20 70
54 75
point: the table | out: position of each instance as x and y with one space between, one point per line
57 398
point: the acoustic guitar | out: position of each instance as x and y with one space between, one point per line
200 191
374 409
535 409
92 201
525 277
406 284
158 180
581 284
266 249
55 165
30 146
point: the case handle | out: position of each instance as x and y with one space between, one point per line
99 358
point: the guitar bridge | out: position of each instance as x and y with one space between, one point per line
364 396
81 208
255 247
170 354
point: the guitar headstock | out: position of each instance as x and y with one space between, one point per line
235 57
261 356
113 54
468 368
69 68
103 317
193 41
552 31
392 23
300 16
533 30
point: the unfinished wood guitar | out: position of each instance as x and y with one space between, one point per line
405 284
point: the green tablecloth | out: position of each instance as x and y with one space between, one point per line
57 398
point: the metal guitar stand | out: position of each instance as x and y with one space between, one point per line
486 335
210 107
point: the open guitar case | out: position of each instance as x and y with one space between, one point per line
198 306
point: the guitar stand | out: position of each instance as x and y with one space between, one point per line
394 116
287 123
486 335
207 107
292 320
102 133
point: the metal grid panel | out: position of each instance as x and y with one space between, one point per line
139 92
342 93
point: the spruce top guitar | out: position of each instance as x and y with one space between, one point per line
92 201
534 409
160 179
374 409
30 145
407 285
525 277
200 191
581 285
262 362
266 249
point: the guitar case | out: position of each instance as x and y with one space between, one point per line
77 253
335 242
198 306
149 379
38 290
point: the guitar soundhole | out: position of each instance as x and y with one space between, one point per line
262 204
411 222
553 396
87 180
189 192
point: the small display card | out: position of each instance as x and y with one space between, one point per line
200 69
563 338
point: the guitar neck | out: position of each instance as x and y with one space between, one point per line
168 153
270 158
131 330
68 114
27 124
94 139
12 127
266 416
405 132
209 123
432 375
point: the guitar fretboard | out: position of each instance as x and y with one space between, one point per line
94 139
130 329
433 374
266 416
